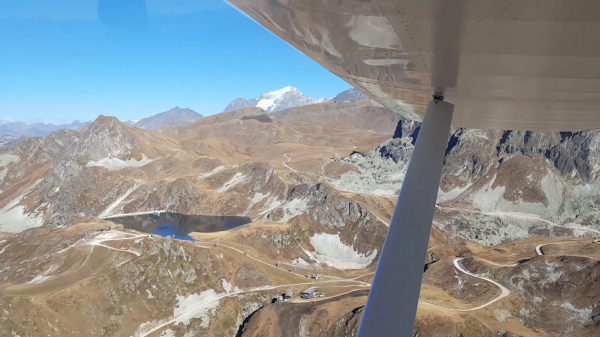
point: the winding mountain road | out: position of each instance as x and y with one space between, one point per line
285 163
538 249
497 264
289 159
505 291
98 242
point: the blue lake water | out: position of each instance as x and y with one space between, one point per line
170 230
179 226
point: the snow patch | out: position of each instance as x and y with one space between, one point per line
213 172
237 178
330 250
579 315
269 205
299 262
116 203
5 161
167 333
384 193
18 199
15 220
116 164
38 279
150 296
3 249
453 193
258 197
226 285
200 306
488 199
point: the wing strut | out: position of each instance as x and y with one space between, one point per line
392 304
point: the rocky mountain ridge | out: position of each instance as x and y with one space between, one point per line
551 176
350 95
175 117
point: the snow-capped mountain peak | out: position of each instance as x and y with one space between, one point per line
290 97
6 120
131 121
270 100
284 98
280 92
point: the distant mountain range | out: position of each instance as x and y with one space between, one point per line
11 132
175 117
290 97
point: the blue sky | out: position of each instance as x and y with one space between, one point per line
62 60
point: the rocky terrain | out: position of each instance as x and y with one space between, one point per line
513 250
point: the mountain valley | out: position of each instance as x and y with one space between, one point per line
514 250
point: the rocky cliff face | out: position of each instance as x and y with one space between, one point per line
552 176
571 154
474 152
